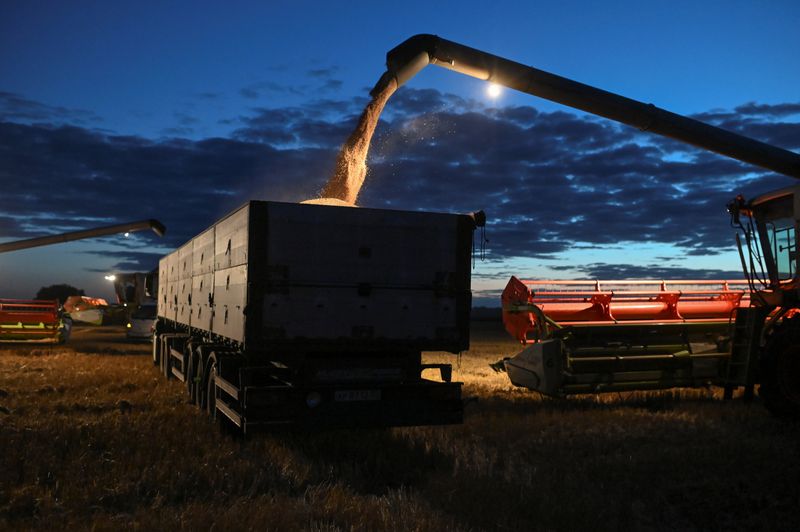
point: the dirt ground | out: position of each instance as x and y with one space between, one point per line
92 437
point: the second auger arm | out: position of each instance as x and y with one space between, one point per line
129 227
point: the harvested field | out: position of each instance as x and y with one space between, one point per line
92 437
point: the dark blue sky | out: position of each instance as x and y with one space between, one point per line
181 110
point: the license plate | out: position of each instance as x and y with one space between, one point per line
357 395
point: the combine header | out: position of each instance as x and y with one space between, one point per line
528 306
25 320
597 336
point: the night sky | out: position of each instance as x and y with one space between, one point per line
181 111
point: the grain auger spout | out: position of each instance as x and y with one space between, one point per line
414 54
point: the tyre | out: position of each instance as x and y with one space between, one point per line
191 385
780 370
200 377
199 388
166 359
211 392
156 349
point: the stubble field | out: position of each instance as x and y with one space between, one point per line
92 437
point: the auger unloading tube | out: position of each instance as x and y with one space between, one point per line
405 60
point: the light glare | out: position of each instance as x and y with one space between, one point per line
493 90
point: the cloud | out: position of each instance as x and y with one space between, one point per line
653 271
15 108
249 92
323 73
185 184
764 110
129 260
415 102
549 181
331 85
260 88
328 83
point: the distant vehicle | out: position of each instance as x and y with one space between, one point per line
86 310
141 322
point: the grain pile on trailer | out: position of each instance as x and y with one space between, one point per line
317 315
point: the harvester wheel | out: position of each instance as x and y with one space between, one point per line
780 370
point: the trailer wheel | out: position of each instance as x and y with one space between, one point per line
211 391
201 376
780 371
200 387
166 359
156 349
191 369
190 357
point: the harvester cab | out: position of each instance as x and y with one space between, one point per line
769 331
769 255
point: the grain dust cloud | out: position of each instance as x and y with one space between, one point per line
351 164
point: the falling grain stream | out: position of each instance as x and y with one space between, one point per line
351 164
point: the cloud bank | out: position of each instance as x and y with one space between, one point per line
548 181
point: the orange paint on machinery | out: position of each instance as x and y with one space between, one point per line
24 320
530 305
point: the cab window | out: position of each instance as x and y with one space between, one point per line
782 241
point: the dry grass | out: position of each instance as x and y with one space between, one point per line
91 437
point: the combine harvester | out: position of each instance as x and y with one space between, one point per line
613 334
604 336
27 320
